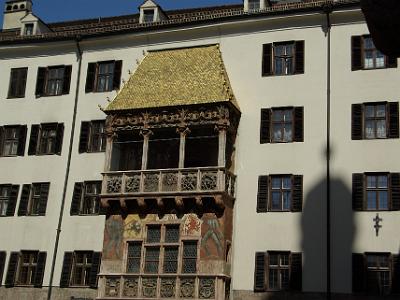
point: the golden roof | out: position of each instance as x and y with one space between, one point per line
176 77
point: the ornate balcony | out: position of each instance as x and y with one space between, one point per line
190 286
168 182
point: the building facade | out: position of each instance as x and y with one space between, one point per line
243 151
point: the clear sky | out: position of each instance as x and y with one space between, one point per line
63 10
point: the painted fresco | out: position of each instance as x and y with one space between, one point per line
212 242
113 238
191 225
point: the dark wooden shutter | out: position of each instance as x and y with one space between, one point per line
356 60
117 74
267 60
259 272
67 79
358 191
44 195
395 190
12 203
40 267
396 274
265 131
22 140
299 57
262 195
34 139
59 138
76 198
94 270
296 270
393 132
23 75
40 82
84 137
90 77
358 273
297 201
391 62
356 122
299 124
12 269
2 264
66 269
1 140
23 203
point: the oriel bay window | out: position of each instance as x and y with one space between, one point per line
163 252
165 149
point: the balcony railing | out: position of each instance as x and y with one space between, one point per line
190 286
168 181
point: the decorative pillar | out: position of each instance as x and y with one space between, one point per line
183 131
146 136
109 149
222 129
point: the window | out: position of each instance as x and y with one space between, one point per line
282 125
28 29
3 255
53 81
80 268
92 137
376 273
8 199
12 140
376 191
103 76
46 139
34 199
278 271
254 4
148 15
26 268
162 249
280 193
365 55
85 199
283 58
375 120
17 83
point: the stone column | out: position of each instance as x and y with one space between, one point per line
183 131
222 129
146 136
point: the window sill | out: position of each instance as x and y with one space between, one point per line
15 97
369 69
86 215
94 152
280 75
10 155
97 92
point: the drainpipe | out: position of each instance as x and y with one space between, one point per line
327 9
53 263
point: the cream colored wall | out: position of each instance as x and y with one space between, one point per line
241 46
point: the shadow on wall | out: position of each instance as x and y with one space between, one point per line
314 244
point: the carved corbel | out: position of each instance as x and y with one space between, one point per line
199 201
179 202
104 203
141 202
219 201
160 203
122 203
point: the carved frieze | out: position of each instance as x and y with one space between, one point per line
168 287
112 287
130 287
149 287
207 288
187 289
